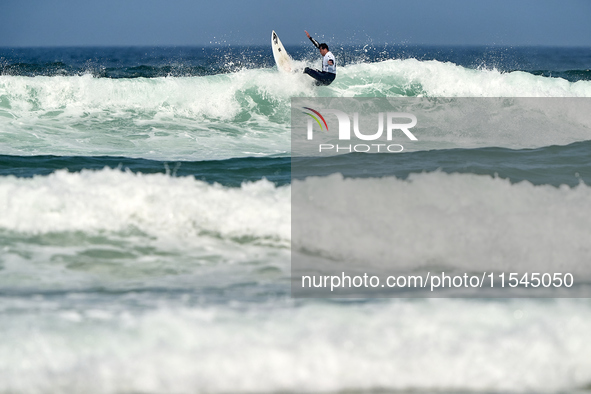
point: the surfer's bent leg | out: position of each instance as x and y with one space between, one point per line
322 78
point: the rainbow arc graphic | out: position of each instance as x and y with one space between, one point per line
315 118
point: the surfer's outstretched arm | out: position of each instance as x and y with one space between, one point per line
316 44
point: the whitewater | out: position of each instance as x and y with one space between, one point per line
146 229
239 114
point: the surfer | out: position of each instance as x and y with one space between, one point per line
329 67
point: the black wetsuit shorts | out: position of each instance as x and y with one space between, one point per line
321 77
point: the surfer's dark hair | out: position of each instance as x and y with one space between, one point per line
323 46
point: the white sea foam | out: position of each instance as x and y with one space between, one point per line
157 342
448 221
111 228
244 113
411 77
157 205
220 116
430 345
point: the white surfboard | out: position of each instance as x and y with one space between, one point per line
283 60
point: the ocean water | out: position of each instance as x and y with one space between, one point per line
145 225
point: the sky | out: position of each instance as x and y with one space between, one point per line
233 22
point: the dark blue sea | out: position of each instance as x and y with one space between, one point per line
146 239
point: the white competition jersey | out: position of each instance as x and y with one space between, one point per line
326 63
